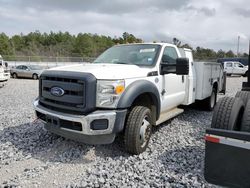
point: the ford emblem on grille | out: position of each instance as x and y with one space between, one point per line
57 91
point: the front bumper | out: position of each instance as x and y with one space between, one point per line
98 127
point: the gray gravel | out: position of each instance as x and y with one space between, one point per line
32 157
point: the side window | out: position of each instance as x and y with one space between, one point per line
169 55
236 64
19 67
229 64
241 66
24 67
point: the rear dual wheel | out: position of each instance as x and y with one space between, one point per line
244 95
228 114
210 102
245 124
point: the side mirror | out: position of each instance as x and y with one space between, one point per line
181 67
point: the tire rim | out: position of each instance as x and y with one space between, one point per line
212 101
144 132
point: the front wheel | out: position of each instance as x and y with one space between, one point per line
35 76
14 75
138 130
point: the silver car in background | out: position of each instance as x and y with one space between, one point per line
27 71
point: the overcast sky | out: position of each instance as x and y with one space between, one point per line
208 23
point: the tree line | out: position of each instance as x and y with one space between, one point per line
63 44
206 53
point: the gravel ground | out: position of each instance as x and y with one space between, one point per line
32 157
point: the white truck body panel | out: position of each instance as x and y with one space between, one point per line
207 74
191 83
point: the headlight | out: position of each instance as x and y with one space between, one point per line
109 93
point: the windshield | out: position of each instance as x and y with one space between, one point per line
35 67
136 54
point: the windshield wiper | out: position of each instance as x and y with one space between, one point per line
120 62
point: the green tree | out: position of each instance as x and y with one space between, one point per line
230 54
5 45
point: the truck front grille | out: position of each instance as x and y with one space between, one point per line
74 86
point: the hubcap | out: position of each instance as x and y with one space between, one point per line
144 131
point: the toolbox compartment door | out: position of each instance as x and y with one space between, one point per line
227 158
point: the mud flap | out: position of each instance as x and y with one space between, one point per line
227 158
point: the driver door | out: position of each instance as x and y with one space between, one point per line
173 85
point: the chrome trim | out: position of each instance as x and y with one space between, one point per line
110 115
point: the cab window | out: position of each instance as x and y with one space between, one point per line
241 66
229 64
24 67
19 67
169 55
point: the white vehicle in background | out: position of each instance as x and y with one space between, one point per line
235 67
4 72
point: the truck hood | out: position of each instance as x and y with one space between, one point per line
107 71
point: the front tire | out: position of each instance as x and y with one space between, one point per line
14 75
138 130
35 76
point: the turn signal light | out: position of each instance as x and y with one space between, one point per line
119 89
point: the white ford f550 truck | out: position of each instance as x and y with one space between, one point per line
127 89
4 72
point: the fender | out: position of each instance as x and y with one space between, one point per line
137 88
